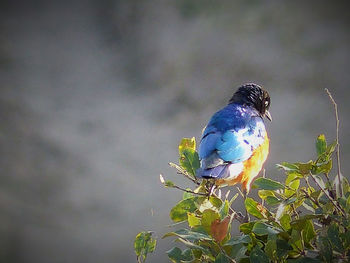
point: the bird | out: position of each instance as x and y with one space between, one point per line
234 144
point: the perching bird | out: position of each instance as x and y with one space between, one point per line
234 144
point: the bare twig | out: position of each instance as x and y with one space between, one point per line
338 145
184 173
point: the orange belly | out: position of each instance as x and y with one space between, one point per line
251 167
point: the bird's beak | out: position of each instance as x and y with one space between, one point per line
268 115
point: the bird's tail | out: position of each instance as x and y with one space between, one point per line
217 172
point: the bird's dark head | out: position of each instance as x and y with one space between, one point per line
254 96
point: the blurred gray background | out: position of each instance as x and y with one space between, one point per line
96 95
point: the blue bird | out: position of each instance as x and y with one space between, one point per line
234 144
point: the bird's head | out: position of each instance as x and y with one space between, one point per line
255 96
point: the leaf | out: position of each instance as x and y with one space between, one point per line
144 244
258 256
188 234
321 144
223 211
208 217
246 228
265 193
270 249
271 200
238 240
179 212
288 167
334 238
187 195
221 258
267 184
238 251
252 208
293 182
305 168
176 255
218 229
189 159
326 251
282 248
285 221
193 220
264 229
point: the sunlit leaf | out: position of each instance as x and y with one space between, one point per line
271 200
193 220
208 217
144 244
288 167
252 207
189 159
321 144
285 221
246 228
179 212
267 184
265 193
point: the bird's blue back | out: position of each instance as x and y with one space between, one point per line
231 136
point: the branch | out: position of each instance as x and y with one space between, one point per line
338 146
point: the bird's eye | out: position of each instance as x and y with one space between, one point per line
266 103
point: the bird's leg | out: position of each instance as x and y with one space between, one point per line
211 187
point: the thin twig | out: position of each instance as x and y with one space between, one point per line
184 173
328 196
188 191
338 145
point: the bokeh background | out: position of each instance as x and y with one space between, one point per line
96 95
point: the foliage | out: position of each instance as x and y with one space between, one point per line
303 219
143 245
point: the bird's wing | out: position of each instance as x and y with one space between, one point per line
230 146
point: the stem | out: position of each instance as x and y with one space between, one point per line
328 196
338 146
188 191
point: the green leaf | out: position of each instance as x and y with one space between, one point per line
208 217
223 211
305 168
221 258
334 237
246 228
288 167
267 184
293 182
282 248
285 221
258 256
238 251
252 207
144 244
326 251
188 234
193 220
265 193
270 249
189 159
187 195
271 200
238 240
179 212
321 144
176 255
264 229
